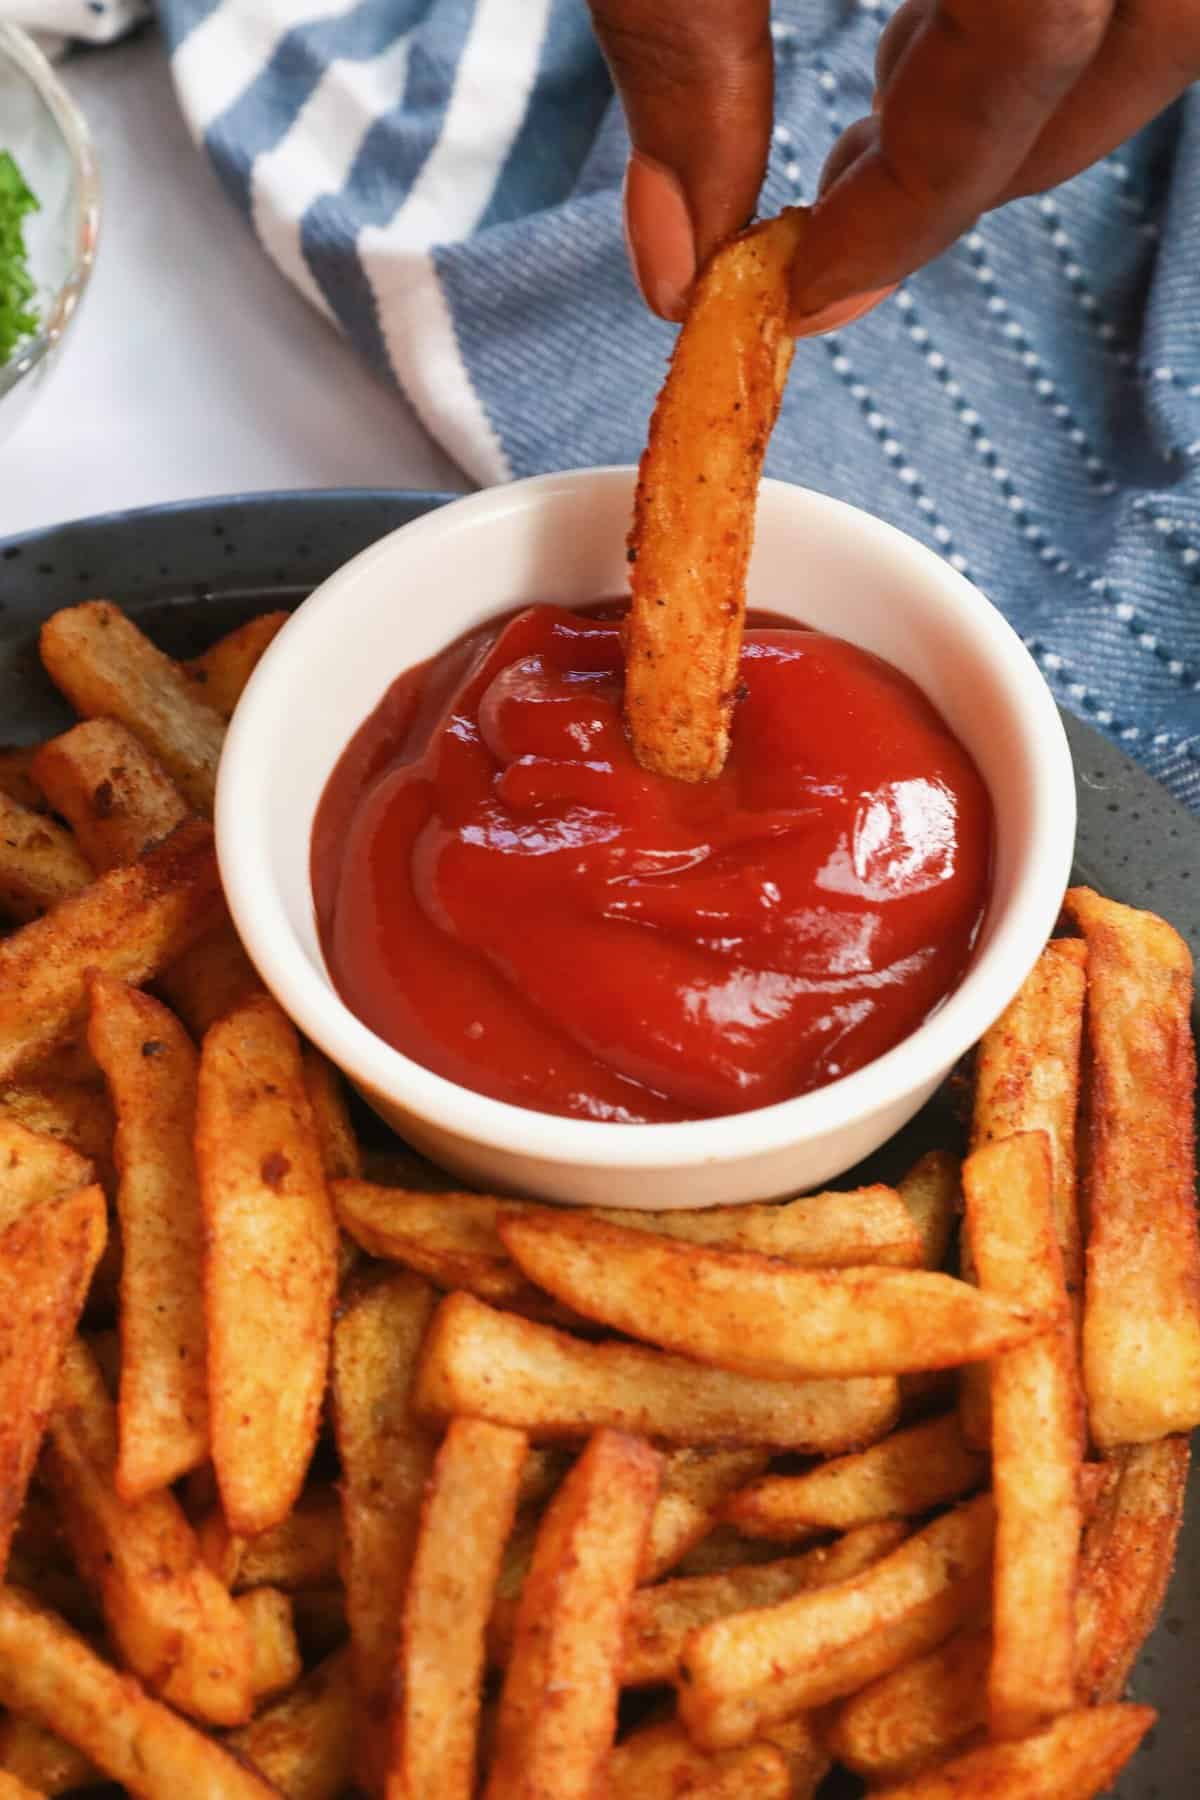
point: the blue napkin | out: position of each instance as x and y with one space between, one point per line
442 178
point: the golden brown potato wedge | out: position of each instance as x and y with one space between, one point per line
270 1266
275 1663
74 1112
486 1364
36 1167
932 1195
693 520
916 1714
108 669
210 979
1075 1758
304 1744
558 1707
116 798
660 1762
151 1067
340 1153
40 862
450 1238
221 672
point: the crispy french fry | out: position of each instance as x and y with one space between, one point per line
72 1111
40 862
386 1458
801 1744
918 1713
340 1153
870 1225
693 520
662 1617
210 979
904 1475
1037 1437
221 672
466 1517
558 1707
741 1310
16 775
302 1551
109 669
1141 1324
694 1484
151 1067
1128 1552
116 798
450 1238
931 1194
492 1365
660 1762
1073 1759
47 1255
44 1761
131 923
46 1671
270 1268
738 1675
35 1168
275 1663
304 1744
169 1616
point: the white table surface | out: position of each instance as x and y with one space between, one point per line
193 367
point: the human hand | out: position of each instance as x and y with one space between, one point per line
975 104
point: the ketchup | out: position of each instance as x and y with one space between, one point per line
508 898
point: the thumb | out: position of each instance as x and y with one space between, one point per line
695 79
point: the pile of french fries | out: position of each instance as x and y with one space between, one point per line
320 1478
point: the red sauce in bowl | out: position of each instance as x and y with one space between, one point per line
507 897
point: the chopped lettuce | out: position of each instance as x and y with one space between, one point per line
17 317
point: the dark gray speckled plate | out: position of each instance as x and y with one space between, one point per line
190 572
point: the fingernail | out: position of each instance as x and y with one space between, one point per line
658 231
838 314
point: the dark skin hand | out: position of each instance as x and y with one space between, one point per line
976 102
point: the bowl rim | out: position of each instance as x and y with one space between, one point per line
260 915
24 54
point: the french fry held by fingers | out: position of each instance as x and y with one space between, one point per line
1037 1437
304 1743
741 1674
558 1707
117 799
1141 1321
660 1762
220 673
902 1476
109 669
693 520
47 1255
493 1365
270 1264
151 1067
741 1310
467 1514
171 1619
40 863
1075 1758
46 1671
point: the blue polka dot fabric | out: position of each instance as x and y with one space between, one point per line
442 178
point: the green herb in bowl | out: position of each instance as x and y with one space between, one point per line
17 317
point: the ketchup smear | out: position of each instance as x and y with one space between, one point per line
508 898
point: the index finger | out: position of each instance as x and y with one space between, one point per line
961 110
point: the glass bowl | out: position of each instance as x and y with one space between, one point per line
44 131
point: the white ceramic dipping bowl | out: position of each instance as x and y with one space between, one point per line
561 538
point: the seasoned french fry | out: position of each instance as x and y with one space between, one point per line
466 1517
45 1762
931 1195
340 1153
40 862
109 669
741 1310
169 1616
693 520
221 672
275 1663
1037 1437
386 1458
906 1474
47 1254
302 1551
16 775
738 1675
270 1268
72 1111
801 1744
151 1067
116 798
694 1484
558 1707
46 1671
660 1762
1128 1551
304 1744
1141 1324
492 1365
870 1225
131 923
661 1617
210 979
450 1238
1073 1759
35 1168
918 1713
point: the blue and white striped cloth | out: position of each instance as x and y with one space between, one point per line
442 179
